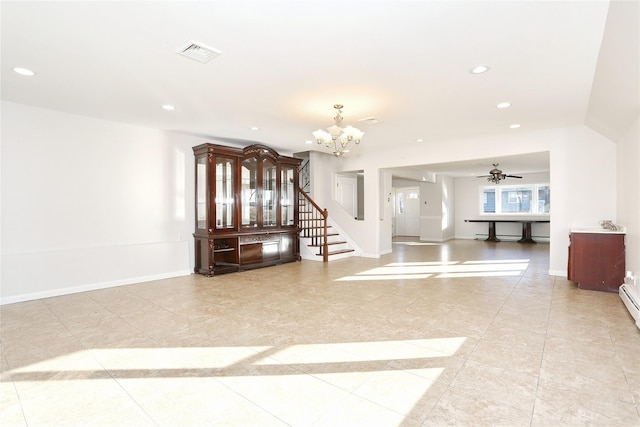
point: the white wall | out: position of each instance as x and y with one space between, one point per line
448 208
431 210
468 206
578 155
89 203
385 211
628 190
437 209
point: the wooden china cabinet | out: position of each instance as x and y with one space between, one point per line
246 208
597 259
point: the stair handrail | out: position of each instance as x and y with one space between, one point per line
313 219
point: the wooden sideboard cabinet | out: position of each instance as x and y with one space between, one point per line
246 208
597 260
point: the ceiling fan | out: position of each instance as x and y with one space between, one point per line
496 175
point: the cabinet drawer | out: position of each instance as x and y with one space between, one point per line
255 253
251 253
259 238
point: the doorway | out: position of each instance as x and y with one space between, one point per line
350 193
406 212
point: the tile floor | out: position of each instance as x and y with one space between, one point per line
461 333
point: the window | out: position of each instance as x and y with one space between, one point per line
544 198
489 200
533 199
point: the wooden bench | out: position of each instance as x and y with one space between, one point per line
526 228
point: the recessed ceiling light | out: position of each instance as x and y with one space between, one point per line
254 128
308 141
504 105
168 107
514 126
479 69
24 71
419 140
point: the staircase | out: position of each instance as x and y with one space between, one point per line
316 232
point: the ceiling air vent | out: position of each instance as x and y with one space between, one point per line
369 120
199 52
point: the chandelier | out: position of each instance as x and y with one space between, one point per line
336 138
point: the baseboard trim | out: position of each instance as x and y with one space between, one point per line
91 287
560 273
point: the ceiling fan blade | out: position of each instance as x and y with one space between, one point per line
512 176
484 176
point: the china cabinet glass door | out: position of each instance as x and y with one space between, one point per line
224 192
201 192
269 193
249 192
287 195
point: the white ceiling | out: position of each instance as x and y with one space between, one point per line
285 63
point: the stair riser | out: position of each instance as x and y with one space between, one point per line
340 256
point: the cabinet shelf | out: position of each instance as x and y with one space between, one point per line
224 250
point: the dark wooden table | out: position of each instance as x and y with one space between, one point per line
526 228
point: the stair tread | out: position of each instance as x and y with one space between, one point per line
318 235
340 251
328 243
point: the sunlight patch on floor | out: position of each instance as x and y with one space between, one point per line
417 244
366 351
443 270
421 263
479 274
502 261
385 277
176 358
144 359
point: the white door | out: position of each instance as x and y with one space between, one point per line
346 194
407 212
